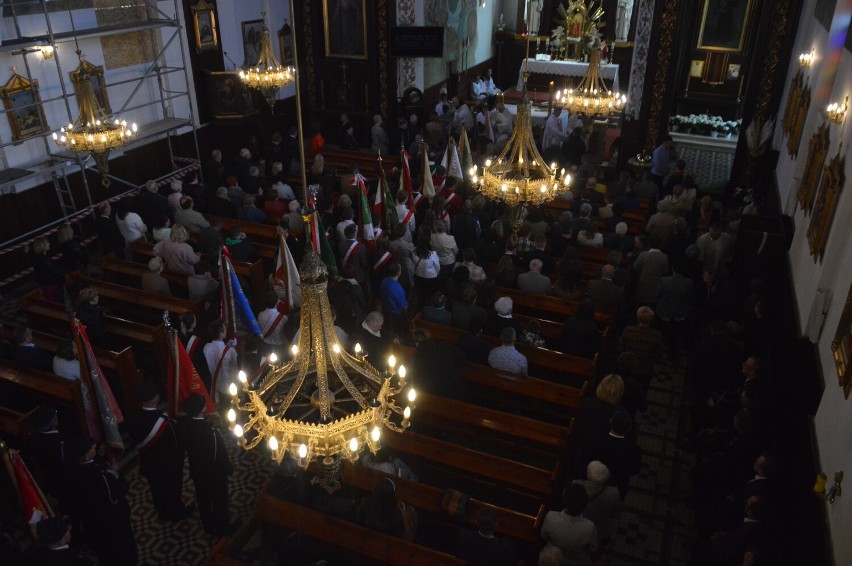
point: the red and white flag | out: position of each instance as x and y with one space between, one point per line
405 179
368 235
287 274
32 502
182 379
428 188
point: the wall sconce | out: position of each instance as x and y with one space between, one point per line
834 492
47 51
805 59
835 112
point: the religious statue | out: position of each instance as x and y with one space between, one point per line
534 16
580 22
623 17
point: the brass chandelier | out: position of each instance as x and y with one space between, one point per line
519 176
267 75
93 132
591 96
325 403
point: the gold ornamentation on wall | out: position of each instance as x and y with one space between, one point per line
841 347
667 25
384 94
307 26
796 112
825 205
23 107
817 151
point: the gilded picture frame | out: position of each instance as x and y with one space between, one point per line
825 206
96 77
206 34
724 24
22 101
252 34
798 127
791 109
841 346
345 28
817 150
230 99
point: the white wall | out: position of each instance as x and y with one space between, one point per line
831 79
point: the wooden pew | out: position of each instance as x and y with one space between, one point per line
512 524
356 540
253 272
145 339
534 304
14 425
129 273
529 396
546 362
34 387
146 306
119 366
257 233
518 438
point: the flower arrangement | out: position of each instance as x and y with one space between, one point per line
704 124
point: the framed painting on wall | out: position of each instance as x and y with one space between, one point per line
95 75
345 28
841 346
817 150
798 125
252 39
825 205
724 24
23 108
230 98
791 109
206 35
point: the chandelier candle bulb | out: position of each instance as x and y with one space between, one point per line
401 373
273 443
303 451
238 431
357 348
232 389
412 395
295 350
392 362
232 415
273 358
242 377
353 445
406 414
336 348
376 434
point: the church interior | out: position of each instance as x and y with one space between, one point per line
425 282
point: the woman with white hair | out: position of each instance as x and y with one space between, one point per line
153 281
501 317
604 500
176 194
446 247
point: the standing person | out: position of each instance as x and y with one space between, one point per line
209 466
160 453
187 216
380 140
47 272
661 161
272 322
100 503
446 248
574 535
129 223
221 359
177 253
427 267
192 345
91 313
109 236
551 141
394 301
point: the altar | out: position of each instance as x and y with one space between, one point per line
709 159
567 69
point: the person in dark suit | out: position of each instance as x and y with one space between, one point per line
160 453
44 453
214 170
109 236
435 366
53 535
221 204
579 336
466 313
604 294
209 466
674 300
241 249
151 204
375 342
483 547
501 317
617 450
100 503
26 353
437 311
474 346
573 148
357 258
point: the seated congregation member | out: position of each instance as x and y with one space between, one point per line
24 352
375 341
531 336
188 217
384 461
604 500
221 359
617 450
580 336
436 365
474 346
501 317
533 281
382 512
644 341
177 253
201 284
506 357
437 311
466 312
153 281
483 546
239 246
569 531
249 212
209 466
271 321
91 314
222 205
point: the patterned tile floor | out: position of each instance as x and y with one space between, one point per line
657 525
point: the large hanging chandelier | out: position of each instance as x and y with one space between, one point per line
325 403
267 75
519 176
591 96
93 132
